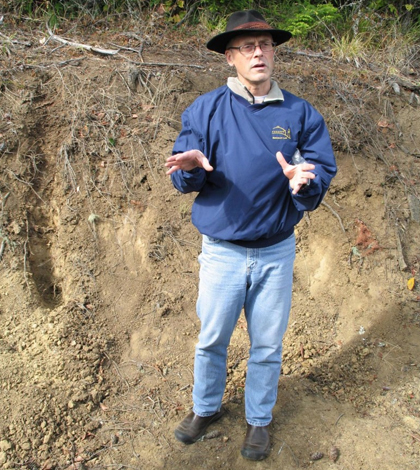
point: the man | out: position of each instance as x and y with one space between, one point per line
234 150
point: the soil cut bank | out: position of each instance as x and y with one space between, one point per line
99 272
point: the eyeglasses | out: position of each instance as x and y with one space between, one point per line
248 49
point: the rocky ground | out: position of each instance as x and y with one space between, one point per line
98 273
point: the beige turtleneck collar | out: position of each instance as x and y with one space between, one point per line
275 94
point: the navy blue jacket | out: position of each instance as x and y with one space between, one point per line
246 199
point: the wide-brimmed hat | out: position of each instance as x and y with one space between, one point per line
243 22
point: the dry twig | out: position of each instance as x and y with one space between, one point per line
25 182
335 214
164 64
25 254
3 246
14 41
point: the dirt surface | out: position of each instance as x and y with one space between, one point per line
98 273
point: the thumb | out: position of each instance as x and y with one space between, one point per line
281 160
206 164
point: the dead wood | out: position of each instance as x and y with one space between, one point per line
73 62
405 83
81 46
2 247
163 64
401 261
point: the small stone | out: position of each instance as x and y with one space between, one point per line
396 88
5 446
412 423
317 456
286 370
334 454
26 446
3 458
212 434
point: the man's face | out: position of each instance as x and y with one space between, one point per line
256 69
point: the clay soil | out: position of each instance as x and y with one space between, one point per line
99 272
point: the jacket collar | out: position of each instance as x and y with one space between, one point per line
235 85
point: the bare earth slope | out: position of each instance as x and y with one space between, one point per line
98 270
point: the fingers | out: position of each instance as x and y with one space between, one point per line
187 161
206 165
308 175
281 160
298 187
202 161
172 169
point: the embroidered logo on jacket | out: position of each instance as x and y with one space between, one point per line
279 133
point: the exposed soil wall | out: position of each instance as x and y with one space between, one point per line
98 273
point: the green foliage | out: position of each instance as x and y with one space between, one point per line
308 20
77 8
304 18
224 7
175 9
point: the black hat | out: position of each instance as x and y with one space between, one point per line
242 22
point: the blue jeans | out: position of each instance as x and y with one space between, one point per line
260 281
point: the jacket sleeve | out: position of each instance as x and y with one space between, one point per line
315 147
188 139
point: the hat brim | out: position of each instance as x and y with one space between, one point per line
219 42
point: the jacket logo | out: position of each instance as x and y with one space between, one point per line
279 133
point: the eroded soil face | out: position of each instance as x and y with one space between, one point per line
98 273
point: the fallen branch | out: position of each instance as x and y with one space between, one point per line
163 64
74 62
124 48
405 83
81 46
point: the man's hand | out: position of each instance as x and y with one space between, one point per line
298 175
187 161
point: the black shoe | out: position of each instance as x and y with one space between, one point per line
193 427
256 445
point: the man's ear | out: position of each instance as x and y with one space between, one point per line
229 57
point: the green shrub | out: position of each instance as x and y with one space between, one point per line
304 18
308 20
